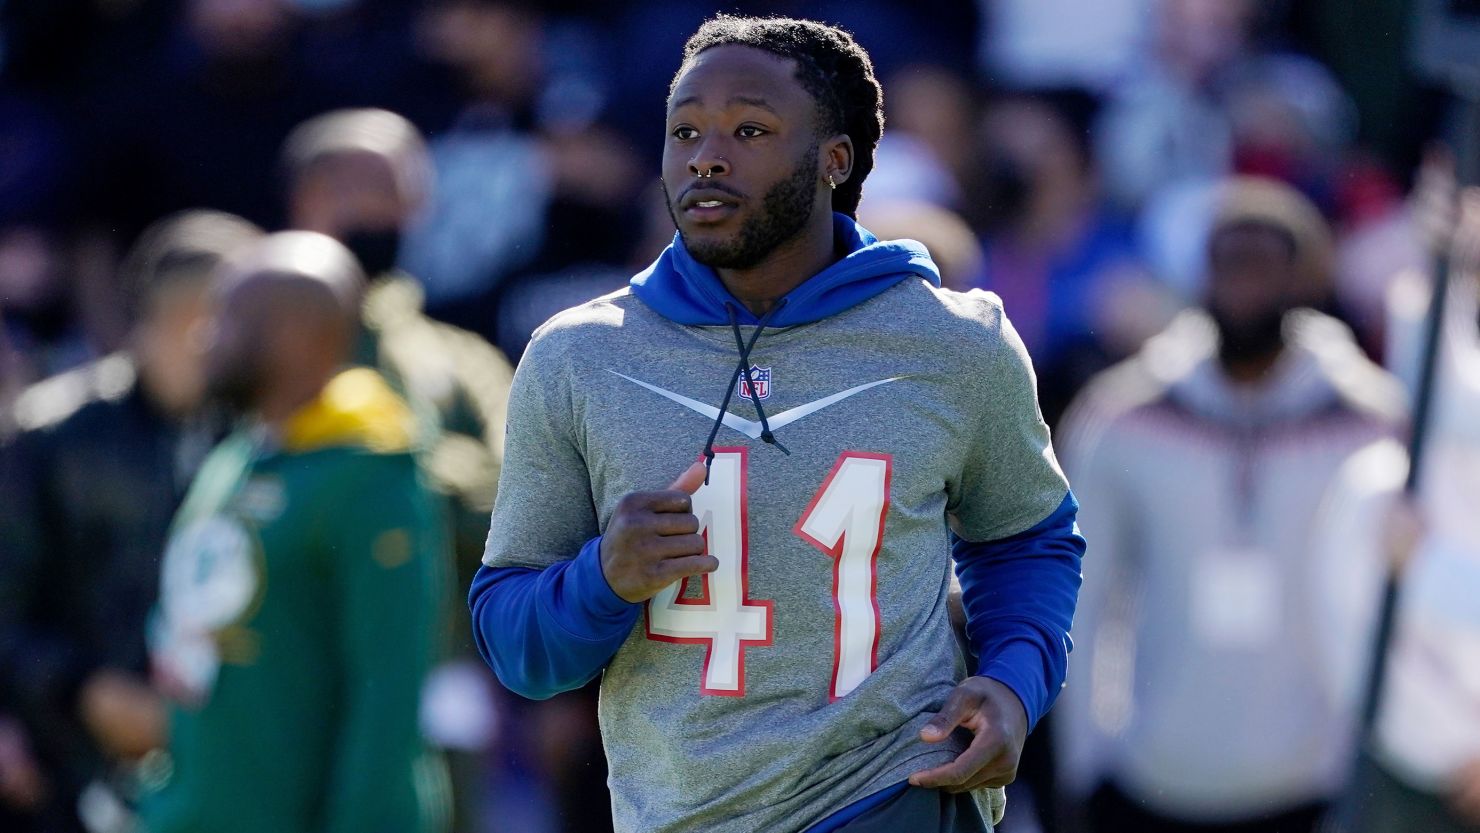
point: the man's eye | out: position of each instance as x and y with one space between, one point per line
685 133
750 131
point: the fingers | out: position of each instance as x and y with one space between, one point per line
981 765
674 569
956 709
673 523
987 761
670 500
678 546
691 479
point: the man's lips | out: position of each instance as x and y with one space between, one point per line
708 196
708 203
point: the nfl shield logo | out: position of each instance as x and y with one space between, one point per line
762 378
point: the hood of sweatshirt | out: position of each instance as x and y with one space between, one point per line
1321 368
687 292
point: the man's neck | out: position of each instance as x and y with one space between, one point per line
784 269
1250 371
278 406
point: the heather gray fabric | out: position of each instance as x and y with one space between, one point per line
952 404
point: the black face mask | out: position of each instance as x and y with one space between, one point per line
376 249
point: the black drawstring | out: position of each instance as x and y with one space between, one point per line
744 369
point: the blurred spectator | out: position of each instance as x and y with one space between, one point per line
1054 253
1291 121
295 699
922 158
1027 43
1393 239
1199 705
486 218
1422 772
945 234
38 301
199 121
86 494
23 787
361 176
1164 122
532 299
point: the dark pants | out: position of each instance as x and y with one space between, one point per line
918 810
1112 811
1385 804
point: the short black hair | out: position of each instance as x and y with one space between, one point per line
831 67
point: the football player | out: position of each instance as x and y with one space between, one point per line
772 629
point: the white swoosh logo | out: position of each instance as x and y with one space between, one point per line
745 426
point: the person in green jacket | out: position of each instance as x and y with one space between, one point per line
298 591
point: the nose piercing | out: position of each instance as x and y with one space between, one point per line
707 174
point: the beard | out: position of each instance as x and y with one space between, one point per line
1245 341
783 214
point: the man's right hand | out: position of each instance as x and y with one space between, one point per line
653 539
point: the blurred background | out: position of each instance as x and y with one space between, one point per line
1073 156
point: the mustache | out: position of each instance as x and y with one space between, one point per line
707 185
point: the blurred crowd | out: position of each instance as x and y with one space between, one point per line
1213 222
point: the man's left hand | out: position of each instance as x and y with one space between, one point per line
996 718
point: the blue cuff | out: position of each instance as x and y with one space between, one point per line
1020 665
1020 593
549 630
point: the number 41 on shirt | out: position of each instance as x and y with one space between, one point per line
845 520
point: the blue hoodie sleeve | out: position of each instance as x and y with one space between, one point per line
550 630
1019 593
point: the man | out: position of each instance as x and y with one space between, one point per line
794 667
297 597
1198 704
361 177
1421 772
86 494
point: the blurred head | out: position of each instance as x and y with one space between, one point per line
769 109
166 280
934 105
35 279
495 45
1197 37
238 29
1031 149
283 321
359 176
1268 253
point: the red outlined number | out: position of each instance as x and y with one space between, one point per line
845 520
725 619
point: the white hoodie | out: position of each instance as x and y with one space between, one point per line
1196 679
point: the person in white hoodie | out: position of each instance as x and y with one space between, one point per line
1420 771
1194 700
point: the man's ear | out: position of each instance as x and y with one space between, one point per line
837 158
